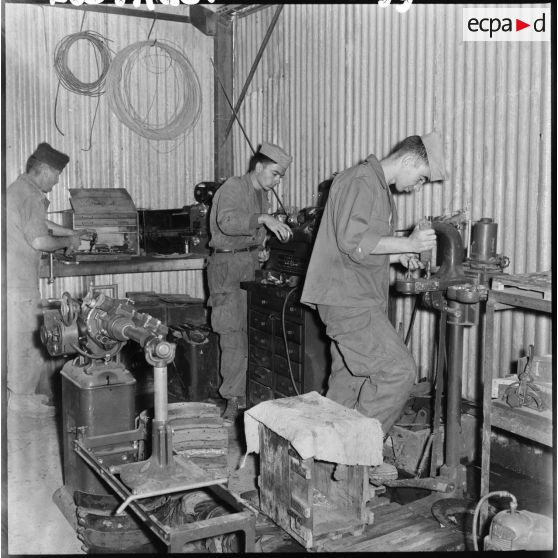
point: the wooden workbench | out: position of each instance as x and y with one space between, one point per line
136 264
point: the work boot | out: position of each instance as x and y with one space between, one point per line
231 411
382 473
31 405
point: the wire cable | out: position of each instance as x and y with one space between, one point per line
412 322
187 90
67 78
283 311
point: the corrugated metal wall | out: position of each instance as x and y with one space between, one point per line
338 82
156 174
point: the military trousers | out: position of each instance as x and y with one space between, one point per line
372 371
229 316
25 355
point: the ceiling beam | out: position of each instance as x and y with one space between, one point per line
128 11
204 20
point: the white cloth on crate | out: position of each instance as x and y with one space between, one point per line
317 427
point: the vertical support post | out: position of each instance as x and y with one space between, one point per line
223 57
162 433
455 373
487 371
160 396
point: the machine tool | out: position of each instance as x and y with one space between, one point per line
181 231
514 530
455 288
104 443
288 260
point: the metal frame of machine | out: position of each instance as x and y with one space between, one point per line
455 290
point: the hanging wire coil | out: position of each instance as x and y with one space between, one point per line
102 55
187 90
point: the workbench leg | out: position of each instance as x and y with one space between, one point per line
488 366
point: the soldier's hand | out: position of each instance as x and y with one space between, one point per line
75 242
263 255
280 230
411 262
85 234
421 240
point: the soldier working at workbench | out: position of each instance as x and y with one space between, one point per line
238 222
348 279
29 233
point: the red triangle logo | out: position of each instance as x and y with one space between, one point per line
519 25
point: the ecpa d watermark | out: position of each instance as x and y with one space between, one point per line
506 24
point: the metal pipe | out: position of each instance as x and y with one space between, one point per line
434 484
455 373
160 395
50 268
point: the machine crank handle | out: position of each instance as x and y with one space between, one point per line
426 256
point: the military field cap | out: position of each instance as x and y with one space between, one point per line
435 153
52 157
277 154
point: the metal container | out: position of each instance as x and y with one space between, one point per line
100 399
483 240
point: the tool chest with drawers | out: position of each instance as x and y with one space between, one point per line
269 375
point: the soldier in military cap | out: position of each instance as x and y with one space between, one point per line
239 220
372 370
29 233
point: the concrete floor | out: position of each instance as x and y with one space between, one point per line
35 524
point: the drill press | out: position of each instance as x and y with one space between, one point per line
454 288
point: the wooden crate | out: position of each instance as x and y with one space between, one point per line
538 285
302 497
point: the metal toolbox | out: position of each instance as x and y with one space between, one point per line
111 213
307 345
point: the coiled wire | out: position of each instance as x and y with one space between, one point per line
67 78
187 88
102 55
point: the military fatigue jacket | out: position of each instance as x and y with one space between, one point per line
359 211
235 209
26 213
